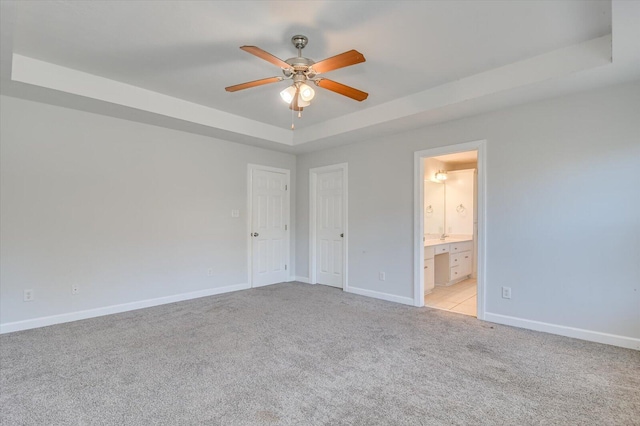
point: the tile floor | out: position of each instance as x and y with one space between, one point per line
460 297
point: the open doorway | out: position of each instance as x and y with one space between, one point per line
449 253
450 232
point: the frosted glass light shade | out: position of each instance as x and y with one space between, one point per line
441 175
288 94
306 92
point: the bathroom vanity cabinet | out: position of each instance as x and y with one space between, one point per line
449 226
429 272
450 262
454 265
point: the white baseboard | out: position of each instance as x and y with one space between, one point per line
578 333
379 295
303 279
268 284
115 309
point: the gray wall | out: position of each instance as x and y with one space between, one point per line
563 208
132 212
127 211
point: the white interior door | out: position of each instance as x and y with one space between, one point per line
329 228
269 227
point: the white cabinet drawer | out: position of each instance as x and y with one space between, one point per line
429 277
466 263
463 263
455 273
459 247
442 248
428 252
455 259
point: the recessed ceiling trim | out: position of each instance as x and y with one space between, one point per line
558 63
553 65
44 74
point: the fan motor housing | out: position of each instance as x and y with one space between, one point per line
299 63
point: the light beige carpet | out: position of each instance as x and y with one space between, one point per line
295 354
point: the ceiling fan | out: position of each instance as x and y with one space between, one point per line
302 70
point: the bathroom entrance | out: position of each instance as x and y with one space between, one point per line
449 197
450 183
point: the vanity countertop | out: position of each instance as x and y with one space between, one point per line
448 240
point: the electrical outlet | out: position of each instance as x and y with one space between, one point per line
506 292
235 213
75 289
382 276
210 272
28 295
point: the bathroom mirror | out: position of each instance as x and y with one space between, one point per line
448 206
434 208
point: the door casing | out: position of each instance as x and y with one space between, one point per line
418 252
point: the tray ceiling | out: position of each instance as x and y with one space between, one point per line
187 51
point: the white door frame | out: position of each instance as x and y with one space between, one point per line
418 252
313 184
250 169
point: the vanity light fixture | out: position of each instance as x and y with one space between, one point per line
441 175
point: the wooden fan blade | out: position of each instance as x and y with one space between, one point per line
254 50
342 89
250 84
342 60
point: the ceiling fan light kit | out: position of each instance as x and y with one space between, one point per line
288 94
306 92
302 71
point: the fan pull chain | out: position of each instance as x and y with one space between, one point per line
293 127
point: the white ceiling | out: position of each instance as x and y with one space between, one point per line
189 51
459 158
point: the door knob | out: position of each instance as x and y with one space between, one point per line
255 234
341 235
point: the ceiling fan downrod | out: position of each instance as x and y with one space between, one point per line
299 41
